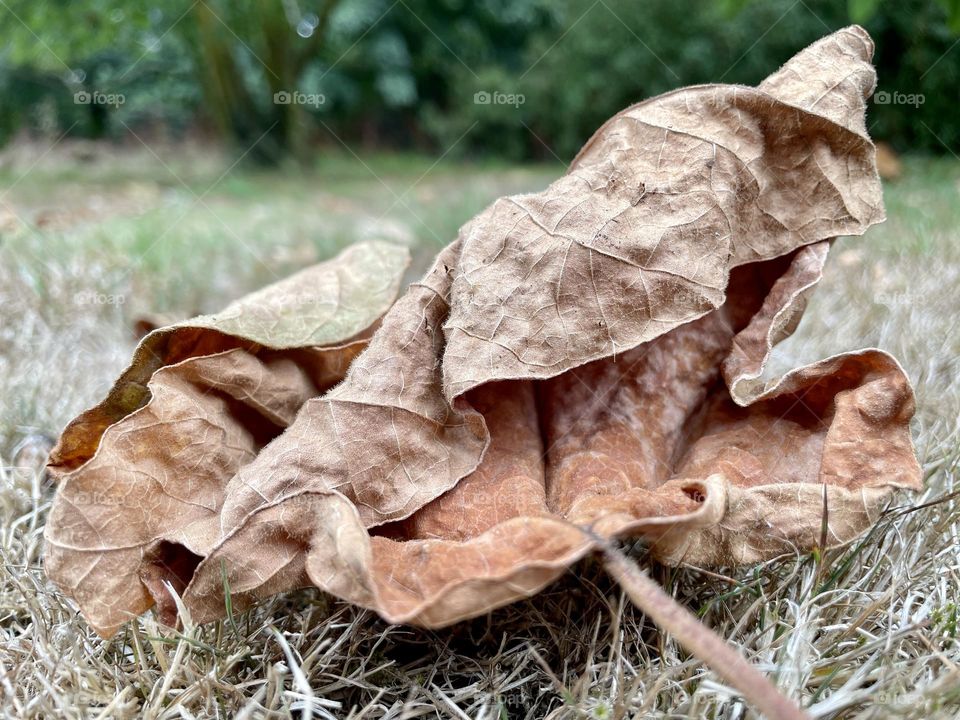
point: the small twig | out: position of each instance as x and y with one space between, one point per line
696 637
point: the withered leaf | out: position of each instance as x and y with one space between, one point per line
591 355
146 469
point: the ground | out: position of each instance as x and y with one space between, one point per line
93 238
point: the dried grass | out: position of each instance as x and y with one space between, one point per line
865 632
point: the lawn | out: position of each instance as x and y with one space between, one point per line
94 238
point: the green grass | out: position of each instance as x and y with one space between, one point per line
869 631
173 230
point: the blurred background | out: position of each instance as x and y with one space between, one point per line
514 79
158 159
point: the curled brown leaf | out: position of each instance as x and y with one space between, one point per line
142 475
589 355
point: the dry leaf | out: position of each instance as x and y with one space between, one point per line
589 355
143 474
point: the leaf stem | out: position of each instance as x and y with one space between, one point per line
696 637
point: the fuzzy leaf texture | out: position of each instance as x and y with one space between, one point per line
590 355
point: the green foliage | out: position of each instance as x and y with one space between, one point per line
862 10
515 78
917 55
55 50
593 59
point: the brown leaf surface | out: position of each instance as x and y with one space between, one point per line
589 355
144 472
